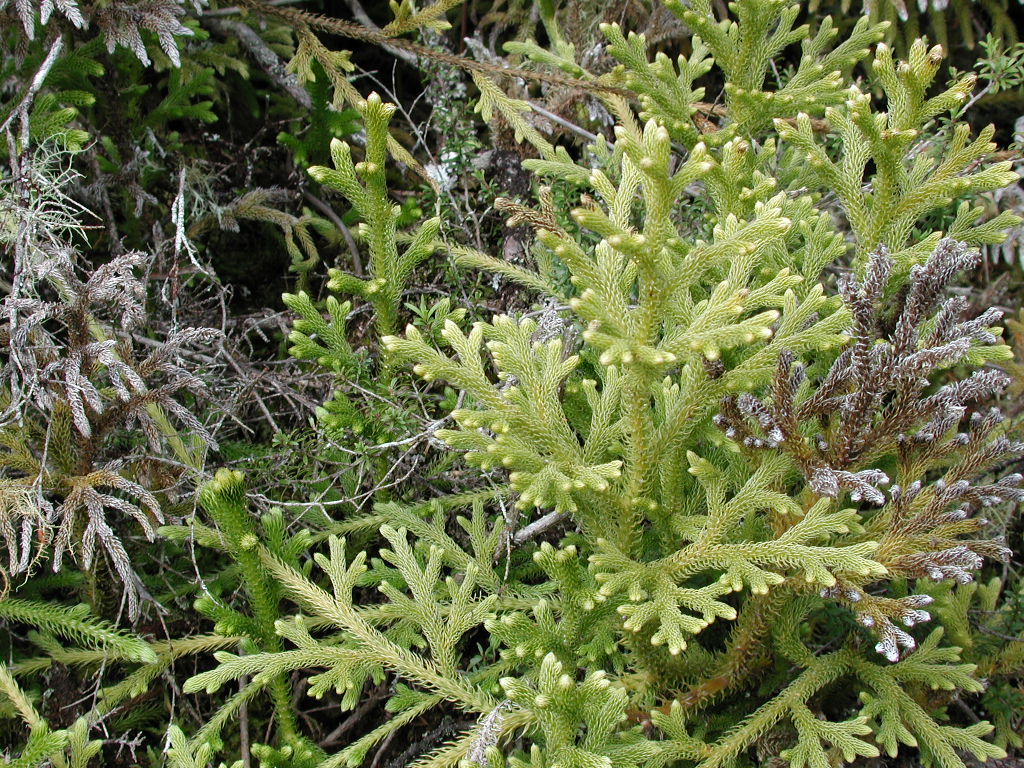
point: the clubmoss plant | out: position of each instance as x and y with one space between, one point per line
734 486
364 185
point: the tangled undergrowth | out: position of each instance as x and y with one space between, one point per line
526 384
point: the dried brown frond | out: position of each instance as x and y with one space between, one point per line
886 407
122 23
24 530
70 363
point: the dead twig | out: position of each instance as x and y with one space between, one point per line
264 57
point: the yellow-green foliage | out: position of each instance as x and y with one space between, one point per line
722 485
363 185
